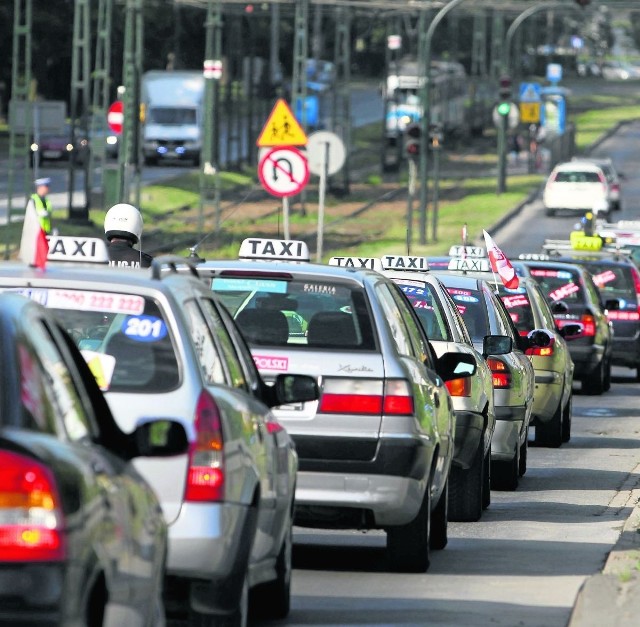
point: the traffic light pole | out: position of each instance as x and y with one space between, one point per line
502 154
425 50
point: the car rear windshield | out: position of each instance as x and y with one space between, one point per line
298 312
125 338
577 177
472 307
518 305
425 301
560 284
614 281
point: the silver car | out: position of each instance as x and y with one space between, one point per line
162 345
513 375
469 483
376 449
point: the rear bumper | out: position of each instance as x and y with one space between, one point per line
510 426
585 358
626 351
547 395
32 594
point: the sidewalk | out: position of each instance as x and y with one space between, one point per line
612 598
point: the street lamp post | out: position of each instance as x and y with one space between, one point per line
426 110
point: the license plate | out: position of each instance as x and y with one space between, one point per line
292 407
51 154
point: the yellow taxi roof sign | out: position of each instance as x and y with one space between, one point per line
580 241
282 128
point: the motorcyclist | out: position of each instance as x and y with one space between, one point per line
123 229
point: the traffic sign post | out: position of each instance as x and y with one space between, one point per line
115 116
284 172
326 154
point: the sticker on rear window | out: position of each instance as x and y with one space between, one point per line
559 274
465 298
515 301
412 290
564 291
421 304
248 285
319 288
603 278
268 362
144 328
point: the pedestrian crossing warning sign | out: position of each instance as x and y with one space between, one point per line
282 128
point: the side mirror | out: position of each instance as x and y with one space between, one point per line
571 331
455 366
613 304
559 307
539 338
293 388
496 345
160 438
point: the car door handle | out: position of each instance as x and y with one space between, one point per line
436 400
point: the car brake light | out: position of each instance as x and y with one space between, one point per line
366 396
589 324
500 373
273 426
541 351
30 515
205 479
615 187
459 387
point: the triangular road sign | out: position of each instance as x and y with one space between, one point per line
282 128
530 92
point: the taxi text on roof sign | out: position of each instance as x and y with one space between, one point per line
370 263
77 249
579 241
470 264
467 251
405 262
274 249
282 128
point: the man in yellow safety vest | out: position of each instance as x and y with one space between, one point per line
42 203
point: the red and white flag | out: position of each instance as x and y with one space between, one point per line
34 247
500 263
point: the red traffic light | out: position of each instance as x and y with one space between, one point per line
505 87
413 139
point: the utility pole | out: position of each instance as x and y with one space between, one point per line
80 84
20 143
342 94
101 80
300 55
129 155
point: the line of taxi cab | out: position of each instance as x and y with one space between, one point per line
161 344
469 482
376 449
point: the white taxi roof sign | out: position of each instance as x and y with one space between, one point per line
405 262
369 263
467 251
73 249
274 249
470 264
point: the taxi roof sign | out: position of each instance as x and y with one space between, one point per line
359 263
580 241
469 264
282 128
467 251
405 262
72 249
274 249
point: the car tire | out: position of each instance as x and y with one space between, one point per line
606 384
408 545
550 212
239 618
524 450
549 433
566 420
439 536
486 480
593 383
465 490
273 599
505 475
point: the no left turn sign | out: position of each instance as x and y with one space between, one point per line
283 171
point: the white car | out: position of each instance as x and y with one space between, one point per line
577 186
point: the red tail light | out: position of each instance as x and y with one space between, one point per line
589 324
603 180
615 187
30 515
366 396
540 351
273 426
501 373
459 387
205 479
